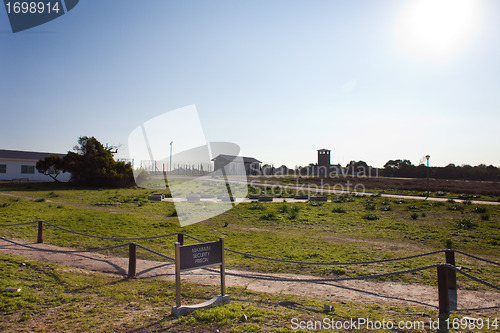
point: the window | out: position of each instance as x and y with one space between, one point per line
3 168
28 169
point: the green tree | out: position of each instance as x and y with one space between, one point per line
51 166
93 165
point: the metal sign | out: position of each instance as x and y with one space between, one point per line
197 256
200 255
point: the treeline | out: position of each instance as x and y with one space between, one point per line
405 169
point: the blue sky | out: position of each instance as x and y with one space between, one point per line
281 79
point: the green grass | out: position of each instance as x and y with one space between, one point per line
345 230
58 298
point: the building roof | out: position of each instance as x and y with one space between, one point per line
26 155
232 157
324 149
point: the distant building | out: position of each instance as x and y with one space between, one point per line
250 164
21 165
323 162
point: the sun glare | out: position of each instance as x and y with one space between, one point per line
436 30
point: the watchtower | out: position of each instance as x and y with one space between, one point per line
323 162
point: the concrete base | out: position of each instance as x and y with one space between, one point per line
186 309
452 296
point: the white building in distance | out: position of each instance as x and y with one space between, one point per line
16 165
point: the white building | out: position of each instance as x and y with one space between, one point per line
21 165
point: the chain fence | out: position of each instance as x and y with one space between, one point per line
258 275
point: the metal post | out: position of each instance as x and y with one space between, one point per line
180 238
427 157
444 301
171 156
452 274
132 260
40 232
177 274
452 280
222 268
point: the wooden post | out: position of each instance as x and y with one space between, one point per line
444 301
132 260
180 238
40 232
177 274
222 268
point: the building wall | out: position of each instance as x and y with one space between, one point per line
15 167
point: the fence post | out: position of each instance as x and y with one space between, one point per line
40 232
180 238
444 301
132 260
177 274
222 269
452 279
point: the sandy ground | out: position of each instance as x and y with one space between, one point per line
365 291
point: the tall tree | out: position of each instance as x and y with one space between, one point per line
93 165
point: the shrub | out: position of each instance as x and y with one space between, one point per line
466 224
369 206
386 209
256 206
370 217
479 210
414 216
268 216
485 217
339 210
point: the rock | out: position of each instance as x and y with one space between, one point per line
243 318
13 290
328 308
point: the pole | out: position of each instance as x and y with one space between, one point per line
177 274
222 269
180 238
40 232
171 156
452 279
427 157
444 301
132 260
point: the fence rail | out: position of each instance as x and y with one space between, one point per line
446 273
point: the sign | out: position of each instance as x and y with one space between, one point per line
200 255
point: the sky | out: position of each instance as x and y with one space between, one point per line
371 80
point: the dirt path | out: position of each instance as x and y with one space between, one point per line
365 291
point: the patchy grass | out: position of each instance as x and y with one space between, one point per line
315 231
57 298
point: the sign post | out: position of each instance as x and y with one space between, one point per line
188 257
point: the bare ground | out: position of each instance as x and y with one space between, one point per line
362 291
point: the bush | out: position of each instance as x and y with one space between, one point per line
414 216
466 224
485 217
268 216
479 210
338 210
369 206
370 217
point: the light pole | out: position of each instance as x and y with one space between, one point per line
171 156
427 158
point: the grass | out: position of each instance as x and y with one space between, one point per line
315 231
58 298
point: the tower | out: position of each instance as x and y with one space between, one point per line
323 162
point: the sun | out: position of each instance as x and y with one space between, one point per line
436 30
